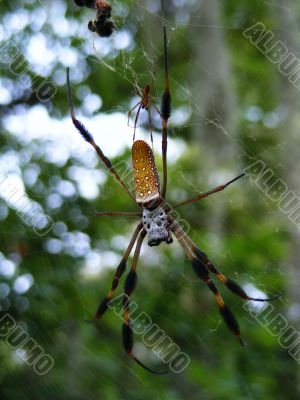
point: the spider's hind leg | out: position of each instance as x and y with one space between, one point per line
203 273
230 284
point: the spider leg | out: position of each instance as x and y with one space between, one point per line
230 284
89 138
206 194
165 107
157 110
130 112
137 88
117 214
149 108
136 120
203 274
119 272
150 125
130 284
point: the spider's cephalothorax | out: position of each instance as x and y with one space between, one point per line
156 221
157 226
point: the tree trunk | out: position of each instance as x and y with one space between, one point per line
287 14
213 100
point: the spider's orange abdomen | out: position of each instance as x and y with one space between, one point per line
145 175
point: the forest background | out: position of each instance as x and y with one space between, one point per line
235 104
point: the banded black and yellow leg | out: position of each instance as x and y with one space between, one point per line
165 110
206 194
117 214
203 273
130 284
230 284
89 138
119 272
225 312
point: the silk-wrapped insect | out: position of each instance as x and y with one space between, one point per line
103 24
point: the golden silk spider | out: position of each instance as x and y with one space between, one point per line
156 221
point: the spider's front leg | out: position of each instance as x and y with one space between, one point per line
89 138
165 110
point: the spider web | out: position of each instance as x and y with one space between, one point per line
208 146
